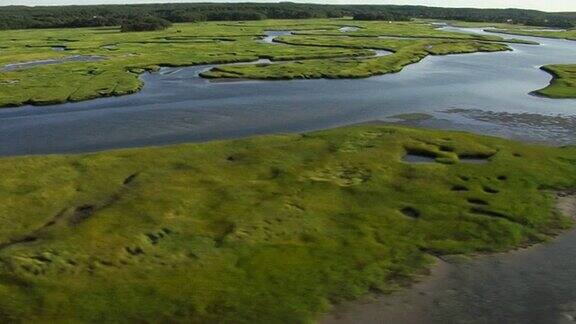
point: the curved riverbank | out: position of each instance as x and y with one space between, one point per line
563 83
531 285
118 76
177 106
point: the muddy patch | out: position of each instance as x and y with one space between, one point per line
566 202
533 285
559 127
69 59
521 119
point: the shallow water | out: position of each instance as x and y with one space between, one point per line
31 64
418 159
349 29
534 285
177 106
414 158
273 34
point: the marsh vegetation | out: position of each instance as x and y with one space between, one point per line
263 229
563 84
318 49
268 229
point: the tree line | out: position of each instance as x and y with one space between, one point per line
22 17
145 24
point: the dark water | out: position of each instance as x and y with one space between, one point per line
177 106
418 159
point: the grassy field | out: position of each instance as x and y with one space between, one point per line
126 55
563 84
405 52
270 229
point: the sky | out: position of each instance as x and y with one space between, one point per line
545 5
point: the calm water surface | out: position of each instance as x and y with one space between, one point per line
177 106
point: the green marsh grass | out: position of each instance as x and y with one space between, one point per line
318 51
268 229
563 84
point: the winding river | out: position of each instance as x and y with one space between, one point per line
484 92
177 106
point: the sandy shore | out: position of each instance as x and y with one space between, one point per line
533 285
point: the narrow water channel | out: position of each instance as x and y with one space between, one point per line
467 92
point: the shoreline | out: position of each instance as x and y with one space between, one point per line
230 77
419 302
376 122
551 85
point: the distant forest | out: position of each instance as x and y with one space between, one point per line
21 17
